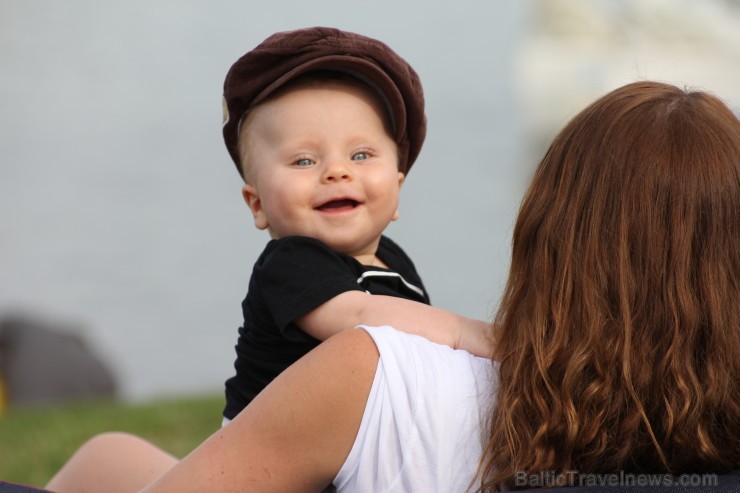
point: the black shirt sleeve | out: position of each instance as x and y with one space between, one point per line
297 274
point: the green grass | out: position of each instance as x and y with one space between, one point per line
35 442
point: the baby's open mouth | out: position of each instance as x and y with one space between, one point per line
336 205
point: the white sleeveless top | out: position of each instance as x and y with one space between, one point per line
422 428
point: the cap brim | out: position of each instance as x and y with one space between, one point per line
361 69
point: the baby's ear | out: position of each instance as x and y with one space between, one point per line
252 198
401 178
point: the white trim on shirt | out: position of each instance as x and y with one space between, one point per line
380 273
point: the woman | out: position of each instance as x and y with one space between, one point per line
617 340
619 332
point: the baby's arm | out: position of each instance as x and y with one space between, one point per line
351 308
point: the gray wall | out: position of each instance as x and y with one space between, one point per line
120 209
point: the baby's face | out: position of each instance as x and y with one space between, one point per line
321 164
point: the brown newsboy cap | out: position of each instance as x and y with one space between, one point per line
286 55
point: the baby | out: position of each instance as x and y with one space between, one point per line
323 126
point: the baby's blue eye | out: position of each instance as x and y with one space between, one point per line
303 162
359 156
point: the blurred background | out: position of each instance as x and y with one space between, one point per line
122 226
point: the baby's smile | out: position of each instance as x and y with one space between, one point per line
338 205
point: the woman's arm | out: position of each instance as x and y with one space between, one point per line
353 308
296 434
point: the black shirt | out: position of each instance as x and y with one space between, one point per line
292 277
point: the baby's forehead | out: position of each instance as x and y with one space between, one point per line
319 82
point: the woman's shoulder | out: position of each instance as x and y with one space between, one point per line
405 348
425 412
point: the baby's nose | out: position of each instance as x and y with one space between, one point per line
336 170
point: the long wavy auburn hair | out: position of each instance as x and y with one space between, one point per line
618 334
